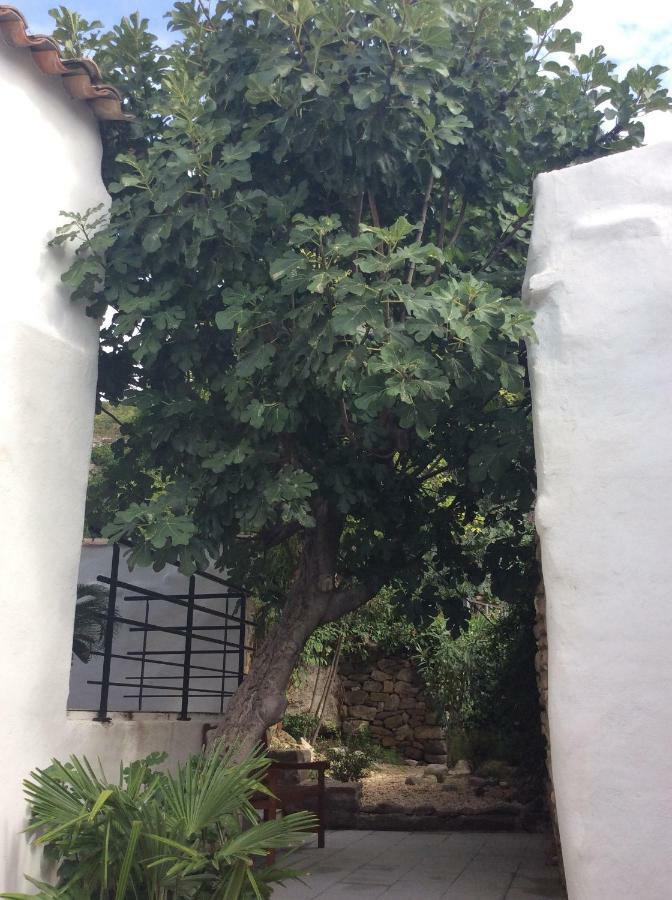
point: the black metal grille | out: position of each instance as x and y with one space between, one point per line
225 641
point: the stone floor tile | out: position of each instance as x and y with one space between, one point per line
420 866
351 892
415 889
376 874
545 885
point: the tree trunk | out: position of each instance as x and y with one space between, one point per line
312 600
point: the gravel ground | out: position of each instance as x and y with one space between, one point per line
386 784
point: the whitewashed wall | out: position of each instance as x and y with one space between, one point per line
50 160
599 280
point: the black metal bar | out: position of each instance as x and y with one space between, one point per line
189 630
181 652
134 656
157 595
158 687
144 655
130 659
172 697
224 655
178 677
170 597
168 629
109 638
241 643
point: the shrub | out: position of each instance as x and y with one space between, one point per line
152 835
346 764
363 741
300 725
483 683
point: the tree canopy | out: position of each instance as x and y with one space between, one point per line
314 258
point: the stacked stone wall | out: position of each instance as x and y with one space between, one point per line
386 696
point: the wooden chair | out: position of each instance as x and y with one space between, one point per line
291 796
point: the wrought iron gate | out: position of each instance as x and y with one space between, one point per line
208 659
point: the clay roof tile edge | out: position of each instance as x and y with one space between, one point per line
81 77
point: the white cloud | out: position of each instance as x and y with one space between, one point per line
631 33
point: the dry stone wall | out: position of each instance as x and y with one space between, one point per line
385 695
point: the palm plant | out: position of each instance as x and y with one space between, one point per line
158 836
90 617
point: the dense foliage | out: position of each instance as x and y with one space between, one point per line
483 684
304 240
158 836
314 259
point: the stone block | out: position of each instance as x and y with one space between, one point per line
436 769
377 675
354 697
392 701
394 720
370 685
413 753
404 732
388 665
406 675
434 746
388 687
429 732
363 712
377 696
388 807
402 687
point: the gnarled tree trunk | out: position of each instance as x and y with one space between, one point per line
313 599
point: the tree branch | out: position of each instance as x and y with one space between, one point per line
346 421
111 415
507 237
373 208
460 222
277 534
343 602
423 221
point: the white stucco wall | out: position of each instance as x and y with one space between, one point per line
599 280
50 160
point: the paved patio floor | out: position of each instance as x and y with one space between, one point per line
399 865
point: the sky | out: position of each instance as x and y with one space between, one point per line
631 32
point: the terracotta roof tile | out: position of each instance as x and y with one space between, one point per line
81 77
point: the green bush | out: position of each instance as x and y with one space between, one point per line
346 764
152 836
300 725
483 684
363 741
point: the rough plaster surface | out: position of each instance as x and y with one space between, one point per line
50 159
599 280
